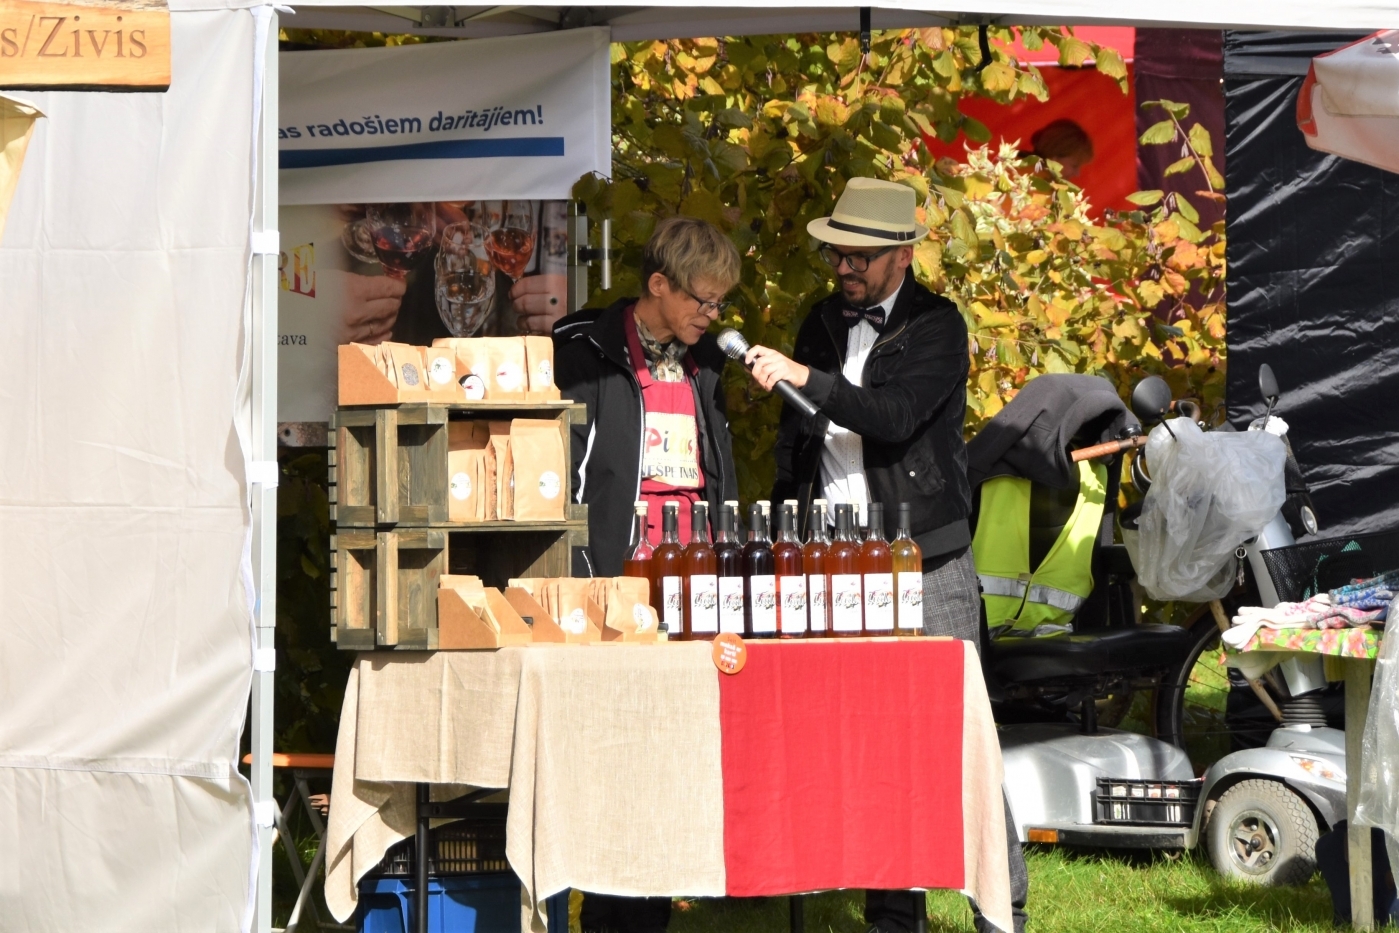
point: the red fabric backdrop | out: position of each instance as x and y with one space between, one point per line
1090 99
853 779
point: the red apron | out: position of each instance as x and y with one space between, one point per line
670 460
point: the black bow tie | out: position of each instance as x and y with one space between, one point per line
853 316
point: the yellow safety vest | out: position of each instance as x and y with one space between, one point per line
1053 593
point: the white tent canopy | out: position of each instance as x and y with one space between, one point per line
659 21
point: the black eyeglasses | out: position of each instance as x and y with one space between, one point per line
858 262
710 307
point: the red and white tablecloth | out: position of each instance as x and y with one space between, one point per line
642 770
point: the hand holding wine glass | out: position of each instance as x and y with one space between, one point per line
512 244
402 234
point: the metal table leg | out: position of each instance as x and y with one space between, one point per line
1362 898
420 865
796 905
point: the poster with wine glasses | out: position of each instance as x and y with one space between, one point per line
410 272
422 194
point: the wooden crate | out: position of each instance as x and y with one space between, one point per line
540 550
383 593
384 586
388 465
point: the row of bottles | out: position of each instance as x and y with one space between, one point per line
826 587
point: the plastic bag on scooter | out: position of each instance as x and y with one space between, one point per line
1210 492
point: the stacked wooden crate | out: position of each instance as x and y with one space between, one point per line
392 540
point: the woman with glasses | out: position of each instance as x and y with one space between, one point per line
648 370
657 428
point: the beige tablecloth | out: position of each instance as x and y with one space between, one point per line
611 754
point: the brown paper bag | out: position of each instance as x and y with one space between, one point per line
474 365
407 370
539 357
626 611
504 478
440 367
466 471
467 489
536 449
571 605
509 372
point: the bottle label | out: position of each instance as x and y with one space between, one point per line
845 602
671 601
816 599
731 605
879 602
793 593
704 604
910 586
763 600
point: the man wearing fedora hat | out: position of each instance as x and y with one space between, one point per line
885 361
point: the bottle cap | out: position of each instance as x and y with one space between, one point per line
672 506
784 519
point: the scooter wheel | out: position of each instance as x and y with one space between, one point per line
1261 832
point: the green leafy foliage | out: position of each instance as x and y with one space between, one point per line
310 680
759 135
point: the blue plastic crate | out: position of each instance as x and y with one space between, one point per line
456 904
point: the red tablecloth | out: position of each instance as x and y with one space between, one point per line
843 767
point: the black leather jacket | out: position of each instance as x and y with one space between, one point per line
591 365
909 412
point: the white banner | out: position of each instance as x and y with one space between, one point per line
518 117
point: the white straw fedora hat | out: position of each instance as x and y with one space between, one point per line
871 213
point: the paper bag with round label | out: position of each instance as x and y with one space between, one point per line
536 449
474 367
504 478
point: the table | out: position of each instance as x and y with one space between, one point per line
640 770
1358 649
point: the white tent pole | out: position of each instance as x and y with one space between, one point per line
264 452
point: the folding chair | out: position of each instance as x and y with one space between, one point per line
304 766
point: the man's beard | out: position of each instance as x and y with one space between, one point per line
867 301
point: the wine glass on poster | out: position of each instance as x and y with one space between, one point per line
402 234
465 279
512 244
484 214
358 240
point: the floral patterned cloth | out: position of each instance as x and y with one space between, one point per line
1362 642
666 361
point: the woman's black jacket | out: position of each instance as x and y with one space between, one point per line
592 366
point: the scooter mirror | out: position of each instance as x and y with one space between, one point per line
1267 383
1151 399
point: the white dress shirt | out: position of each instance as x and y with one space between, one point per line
843 458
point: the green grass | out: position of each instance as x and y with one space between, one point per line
1069 893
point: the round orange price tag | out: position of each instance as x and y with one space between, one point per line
730 653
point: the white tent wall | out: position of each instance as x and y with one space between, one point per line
125 528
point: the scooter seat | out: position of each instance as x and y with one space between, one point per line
1138 649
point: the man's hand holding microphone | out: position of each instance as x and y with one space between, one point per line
773 371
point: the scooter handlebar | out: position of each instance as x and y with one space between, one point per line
1109 449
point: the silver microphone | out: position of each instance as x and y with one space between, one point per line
735 348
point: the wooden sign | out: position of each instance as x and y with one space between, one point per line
102 45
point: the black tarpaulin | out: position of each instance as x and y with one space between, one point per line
1313 285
